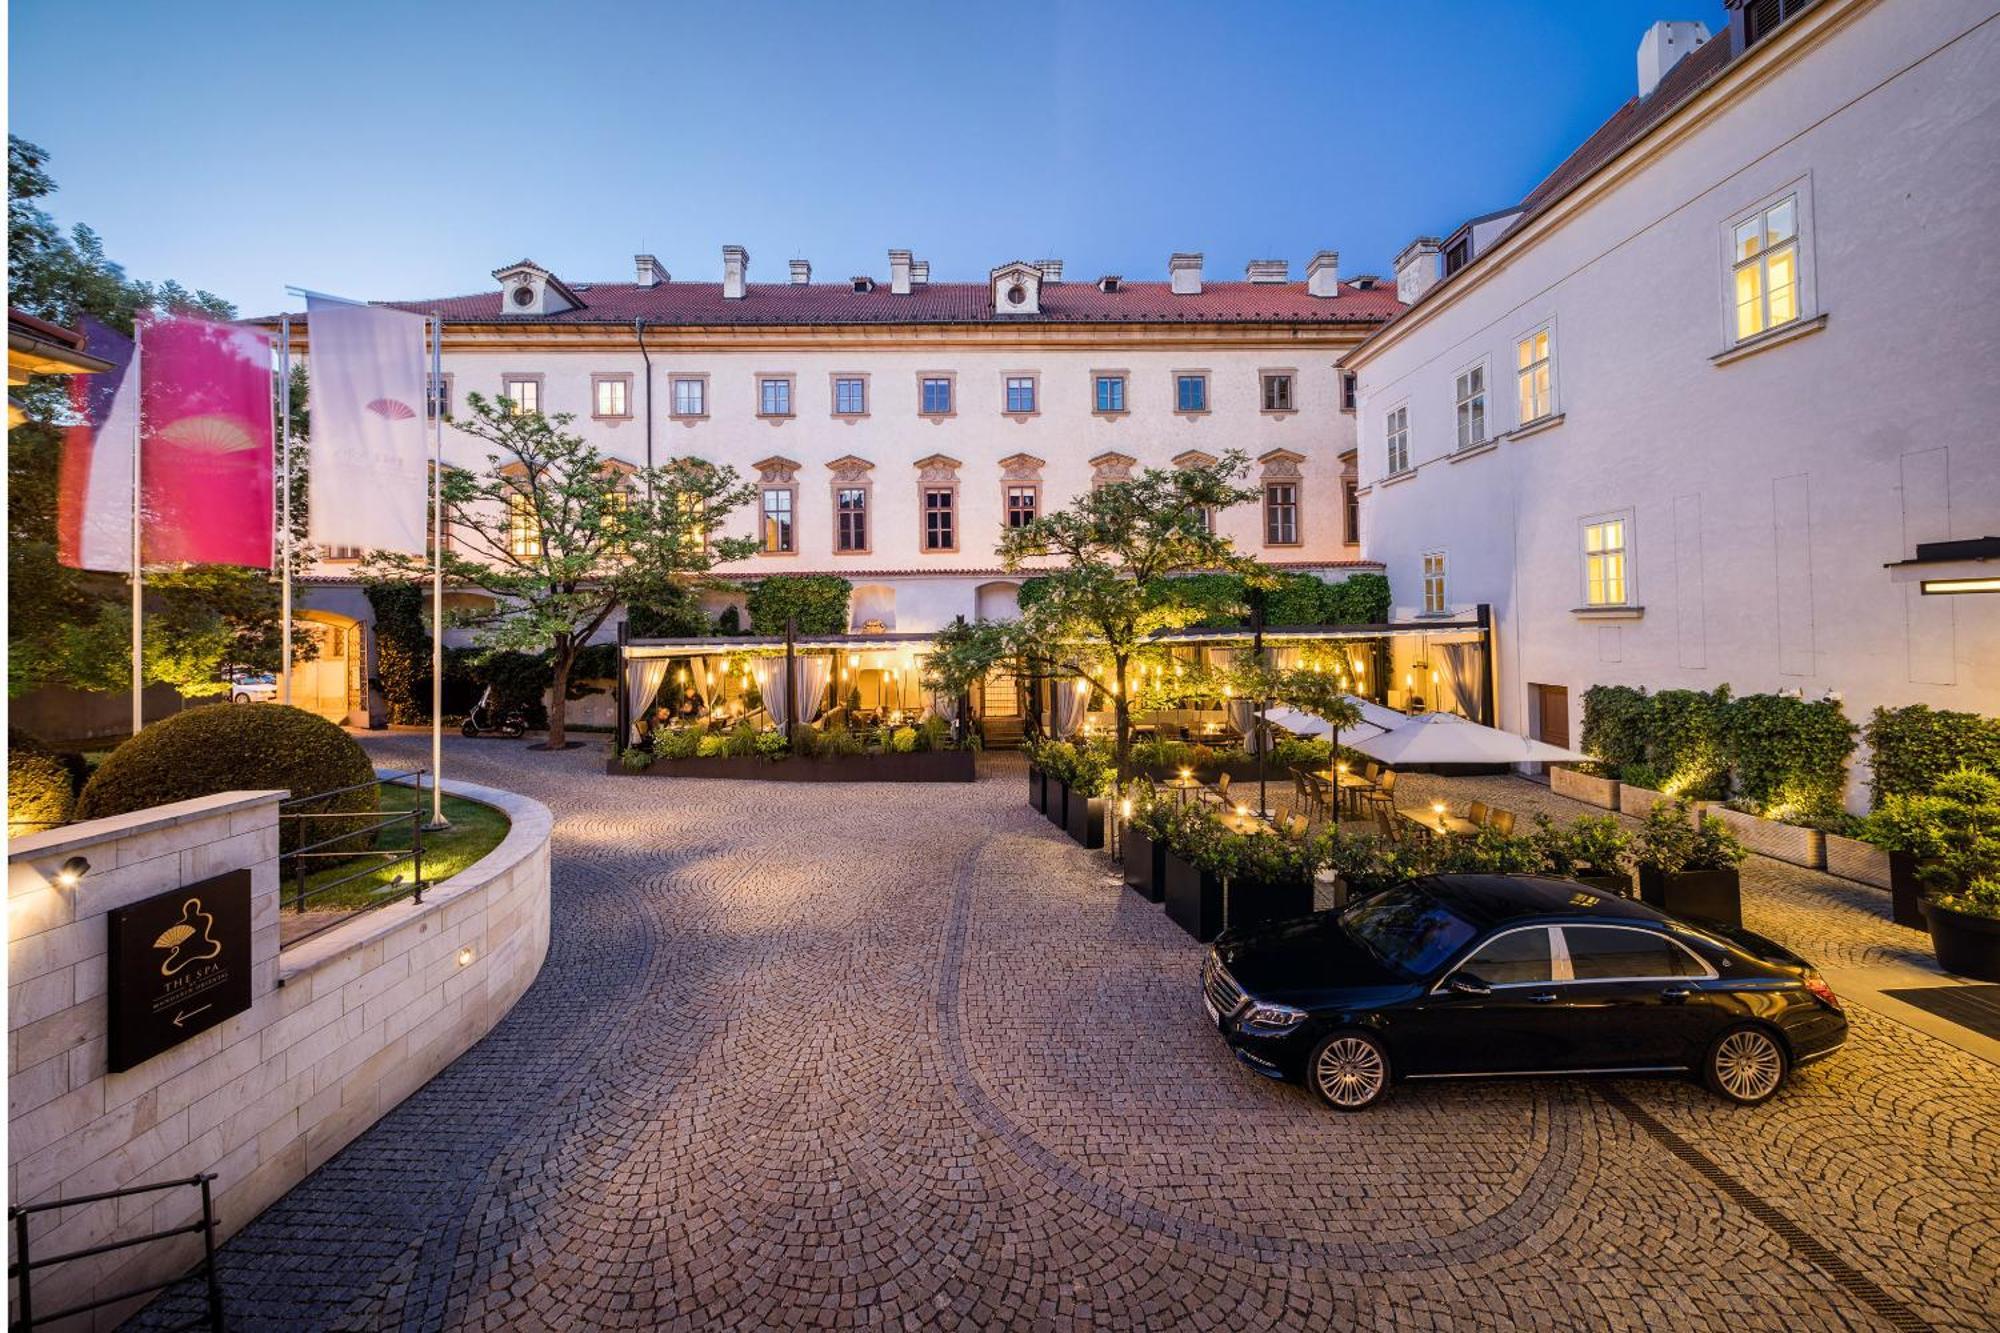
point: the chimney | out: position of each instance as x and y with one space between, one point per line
899 272
1185 270
1323 274
920 272
735 268
1417 268
1662 48
1051 270
650 273
802 272
1267 271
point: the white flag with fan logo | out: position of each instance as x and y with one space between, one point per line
370 479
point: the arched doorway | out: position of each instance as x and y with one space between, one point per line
998 698
329 682
873 609
997 601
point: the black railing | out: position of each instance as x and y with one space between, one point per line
25 1264
296 865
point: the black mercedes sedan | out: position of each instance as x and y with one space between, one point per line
1464 976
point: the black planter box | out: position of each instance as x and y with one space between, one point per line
1056 807
1145 864
1699 895
1085 820
931 766
1906 900
1193 899
1251 902
1038 788
1965 944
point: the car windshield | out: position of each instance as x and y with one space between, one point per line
1408 929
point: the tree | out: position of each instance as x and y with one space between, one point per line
1119 547
560 536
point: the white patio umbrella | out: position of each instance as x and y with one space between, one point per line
1301 723
1447 738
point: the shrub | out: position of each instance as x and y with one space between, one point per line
1294 752
675 614
1979 898
39 794
711 746
207 750
730 622
684 743
518 680
934 733
1589 844
838 742
635 759
772 745
1684 742
402 648
1672 842
740 741
1489 852
1299 599
1359 599
818 601
1789 756
1912 747
903 740
1954 831
1614 726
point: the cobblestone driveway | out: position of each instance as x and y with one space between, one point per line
811 1056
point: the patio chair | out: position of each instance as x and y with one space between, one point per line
1319 798
1478 813
1502 822
1296 829
1222 788
1387 824
1383 796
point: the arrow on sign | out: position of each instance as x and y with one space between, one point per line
182 1018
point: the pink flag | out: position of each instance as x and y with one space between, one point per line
94 496
205 460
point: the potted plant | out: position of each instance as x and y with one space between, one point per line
1688 866
1911 829
1270 879
1058 760
1961 875
1197 863
1965 929
1145 846
1083 819
1590 850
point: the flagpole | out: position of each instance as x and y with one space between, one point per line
285 599
138 574
435 403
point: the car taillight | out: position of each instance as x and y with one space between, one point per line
1822 992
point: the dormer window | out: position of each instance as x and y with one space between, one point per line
524 296
529 289
1016 289
864 284
1110 284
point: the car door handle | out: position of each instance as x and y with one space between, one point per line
1543 997
1676 992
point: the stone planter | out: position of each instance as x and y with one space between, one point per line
1699 895
1967 945
1851 858
1251 902
1145 864
1084 820
1056 806
1768 837
1585 787
1905 897
1193 899
1638 802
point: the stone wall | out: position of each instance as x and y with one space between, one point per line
341 1027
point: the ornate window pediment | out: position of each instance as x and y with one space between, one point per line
777 470
1022 467
1281 465
1195 458
938 467
1112 466
848 468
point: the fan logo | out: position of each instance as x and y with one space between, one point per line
188 940
392 409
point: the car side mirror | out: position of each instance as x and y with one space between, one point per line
1465 983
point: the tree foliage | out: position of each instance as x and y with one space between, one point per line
1912 747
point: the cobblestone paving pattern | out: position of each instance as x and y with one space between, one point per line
904 1057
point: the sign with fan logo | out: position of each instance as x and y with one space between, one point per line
179 964
370 463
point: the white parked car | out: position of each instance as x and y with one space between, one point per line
252 687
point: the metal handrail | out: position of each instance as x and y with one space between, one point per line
23 1268
301 857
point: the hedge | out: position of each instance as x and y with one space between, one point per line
1771 751
818 601
1614 725
402 650
1789 755
1913 747
1684 742
207 750
39 794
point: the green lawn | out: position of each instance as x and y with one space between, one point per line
475 830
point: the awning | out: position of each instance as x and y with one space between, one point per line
1447 738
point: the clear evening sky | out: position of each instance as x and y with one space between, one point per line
405 150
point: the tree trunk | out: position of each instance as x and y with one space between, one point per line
560 661
1121 709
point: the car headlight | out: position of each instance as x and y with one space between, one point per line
1276 1016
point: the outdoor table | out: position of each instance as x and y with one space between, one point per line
1435 824
1183 786
1344 783
1236 823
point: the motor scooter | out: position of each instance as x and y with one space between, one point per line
485 720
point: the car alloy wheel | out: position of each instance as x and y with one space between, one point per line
1350 1071
1746 1065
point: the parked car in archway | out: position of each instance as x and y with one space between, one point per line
1457 976
248 687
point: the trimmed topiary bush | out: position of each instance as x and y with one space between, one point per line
1915 746
207 750
1789 755
1684 742
1614 726
39 795
1358 599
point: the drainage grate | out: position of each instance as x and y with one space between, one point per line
1808 1246
1974 1007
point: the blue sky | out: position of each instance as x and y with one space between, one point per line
406 150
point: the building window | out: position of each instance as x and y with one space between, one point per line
1110 395
1765 275
1350 389
611 395
1458 256
523 394
1277 387
851 518
850 396
1191 393
1471 394
936 395
691 396
1020 395
774 396
940 514
1208 519
778 520
439 400
1534 373
1604 582
1023 502
1397 431
524 526
1281 513
1350 513
1434 583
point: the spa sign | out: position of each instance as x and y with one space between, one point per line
179 964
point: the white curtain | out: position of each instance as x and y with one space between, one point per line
770 674
1285 659
1070 705
643 678
813 673
1242 715
945 706
1460 666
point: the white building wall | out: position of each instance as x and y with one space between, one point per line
1765 494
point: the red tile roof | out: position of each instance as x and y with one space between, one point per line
695 304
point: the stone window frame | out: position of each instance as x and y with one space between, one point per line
833 379
674 380
432 384
1350 390
938 474
791 383
950 377
1020 470
852 474
1269 373
534 377
611 377
1034 378
1282 468
1111 413
1110 466
1207 379
1188 458
1438 580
